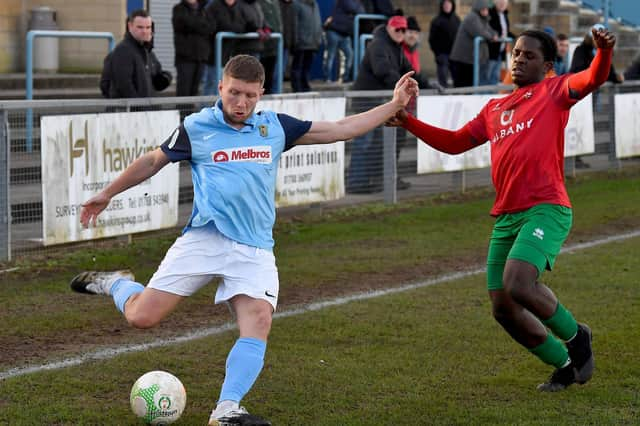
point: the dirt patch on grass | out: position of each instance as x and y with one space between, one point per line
195 313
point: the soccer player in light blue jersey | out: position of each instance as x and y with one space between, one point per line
234 153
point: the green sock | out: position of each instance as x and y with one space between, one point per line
562 323
552 352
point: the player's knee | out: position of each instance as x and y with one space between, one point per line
519 291
501 312
262 321
141 320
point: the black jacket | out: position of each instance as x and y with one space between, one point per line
633 72
343 14
443 30
378 7
130 70
253 18
383 64
226 19
581 60
192 31
288 13
494 22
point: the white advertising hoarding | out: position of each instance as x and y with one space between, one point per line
453 112
627 124
309 173
82 154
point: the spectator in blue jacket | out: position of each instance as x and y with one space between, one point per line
339 33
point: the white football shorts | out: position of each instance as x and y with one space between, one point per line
202 253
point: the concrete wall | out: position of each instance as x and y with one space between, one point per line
74 15
10 27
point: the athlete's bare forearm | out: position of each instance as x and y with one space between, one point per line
141 169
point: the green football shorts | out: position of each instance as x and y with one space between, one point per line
534 236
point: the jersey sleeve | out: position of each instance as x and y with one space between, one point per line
477 126
177 146
293 129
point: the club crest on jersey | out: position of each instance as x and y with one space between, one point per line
255 154
506 117
263 130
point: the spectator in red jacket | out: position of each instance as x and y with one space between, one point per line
411 42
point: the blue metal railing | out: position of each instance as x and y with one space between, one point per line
356 37
229 35
364 38
476 57
31 35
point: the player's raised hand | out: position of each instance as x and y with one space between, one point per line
602 37
405 89
397 120
92 208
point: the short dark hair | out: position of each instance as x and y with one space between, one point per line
246 68
547 43
562 37
138 13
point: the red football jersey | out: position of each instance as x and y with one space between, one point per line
526 132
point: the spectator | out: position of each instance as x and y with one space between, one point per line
411 43
499 21
633 72
269 57
127 69
288 15
307 42
227 16
560 64
160 79
381 67
581 60
339 33
584 54
191 34
253 22
376 7
412 53
475 24
442 34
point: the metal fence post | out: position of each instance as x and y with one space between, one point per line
31 35
277 88
5 213
614 161
356 37
390 174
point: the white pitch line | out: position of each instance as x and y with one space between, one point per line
112 352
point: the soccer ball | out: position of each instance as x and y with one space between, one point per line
158 398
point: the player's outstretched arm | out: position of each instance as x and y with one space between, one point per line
359 124
449 141
585 82
141 169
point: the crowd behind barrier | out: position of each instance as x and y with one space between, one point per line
21 220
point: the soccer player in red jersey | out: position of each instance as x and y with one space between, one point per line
532 208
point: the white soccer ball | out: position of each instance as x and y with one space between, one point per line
158 398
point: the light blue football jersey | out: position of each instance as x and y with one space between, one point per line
234 171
